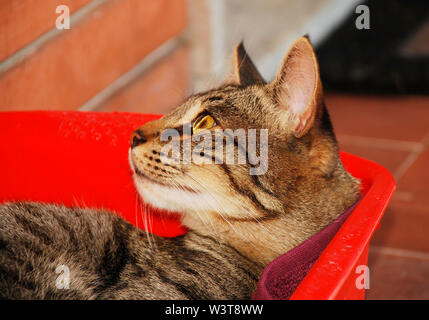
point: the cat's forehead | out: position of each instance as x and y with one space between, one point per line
218 96
198 102
229 101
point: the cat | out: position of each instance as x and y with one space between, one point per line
238 222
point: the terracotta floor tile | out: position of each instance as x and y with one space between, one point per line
390 159
404 226
400 117
416 180
397 276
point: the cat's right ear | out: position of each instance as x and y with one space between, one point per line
244 69
298 88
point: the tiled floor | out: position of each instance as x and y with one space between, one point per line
393 131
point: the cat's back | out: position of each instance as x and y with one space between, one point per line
55 252
41 245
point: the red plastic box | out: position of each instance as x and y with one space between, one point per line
81 159
335 273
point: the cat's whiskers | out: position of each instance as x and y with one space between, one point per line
210 220
151 226
200 217
145 224
199 187
137 200
219 212
247 239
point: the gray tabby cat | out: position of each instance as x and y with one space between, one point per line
238 222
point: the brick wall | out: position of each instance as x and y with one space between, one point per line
118 55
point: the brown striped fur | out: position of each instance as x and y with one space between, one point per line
238 222
110 259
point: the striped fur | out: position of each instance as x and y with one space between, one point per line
238 222
110 259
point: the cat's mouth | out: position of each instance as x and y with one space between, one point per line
144 176
140 173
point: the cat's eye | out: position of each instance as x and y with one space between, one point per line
202 122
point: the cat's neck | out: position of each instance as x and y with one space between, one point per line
266 240
260 242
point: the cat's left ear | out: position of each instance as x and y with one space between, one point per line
245 71
297 86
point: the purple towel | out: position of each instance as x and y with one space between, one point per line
283 275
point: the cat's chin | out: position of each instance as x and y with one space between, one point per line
164 197
157 194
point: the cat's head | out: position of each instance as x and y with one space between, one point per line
294 156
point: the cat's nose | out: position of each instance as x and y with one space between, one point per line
137 138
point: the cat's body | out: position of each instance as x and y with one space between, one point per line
110 259
238 222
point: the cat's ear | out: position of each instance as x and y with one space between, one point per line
244 70
297 86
